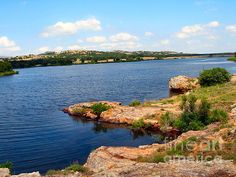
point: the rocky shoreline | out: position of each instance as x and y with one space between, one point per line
127 161
121 114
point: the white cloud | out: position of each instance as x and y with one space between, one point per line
43 49
164 42
148 34
69 28
197 30
231 28
7 45
213 24
96 39
123 37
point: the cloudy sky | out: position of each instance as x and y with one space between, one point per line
36 26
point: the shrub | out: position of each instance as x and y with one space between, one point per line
214 76
218 115
5 66
137 124
72 168
76 168
204 111
195 116
188 103
188 121
98 108
160 157
166 121
7 164
135 103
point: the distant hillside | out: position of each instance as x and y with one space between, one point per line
70 57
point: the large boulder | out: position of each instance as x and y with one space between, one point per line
183 84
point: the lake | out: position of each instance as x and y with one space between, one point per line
36 135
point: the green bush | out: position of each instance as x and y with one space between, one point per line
196 115
232 59
98 108
166 121
7 164
214 76
218 115
5 66
135 103
160 157
76 168
204 111
137 124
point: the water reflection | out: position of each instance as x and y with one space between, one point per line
103 127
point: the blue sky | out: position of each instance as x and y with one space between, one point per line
35 26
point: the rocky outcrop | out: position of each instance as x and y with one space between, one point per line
4 172
123 161
233 79
183 84
120 114
173 169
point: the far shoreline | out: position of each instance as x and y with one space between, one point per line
102 62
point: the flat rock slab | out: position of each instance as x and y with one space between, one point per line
123 114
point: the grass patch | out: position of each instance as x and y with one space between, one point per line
9 73
7 164
79 111
166 121
138 124
220 96
135 103
68 170
232 59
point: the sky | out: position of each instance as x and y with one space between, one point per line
193 26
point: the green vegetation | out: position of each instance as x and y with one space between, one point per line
7 164
9 73
80 111
166 121
6 69
219 96
218 115
214 76
72 168
183 148
135 103
139 124
76 167
196 116
50 61
98 108
232 59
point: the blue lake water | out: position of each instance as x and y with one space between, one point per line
36 135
